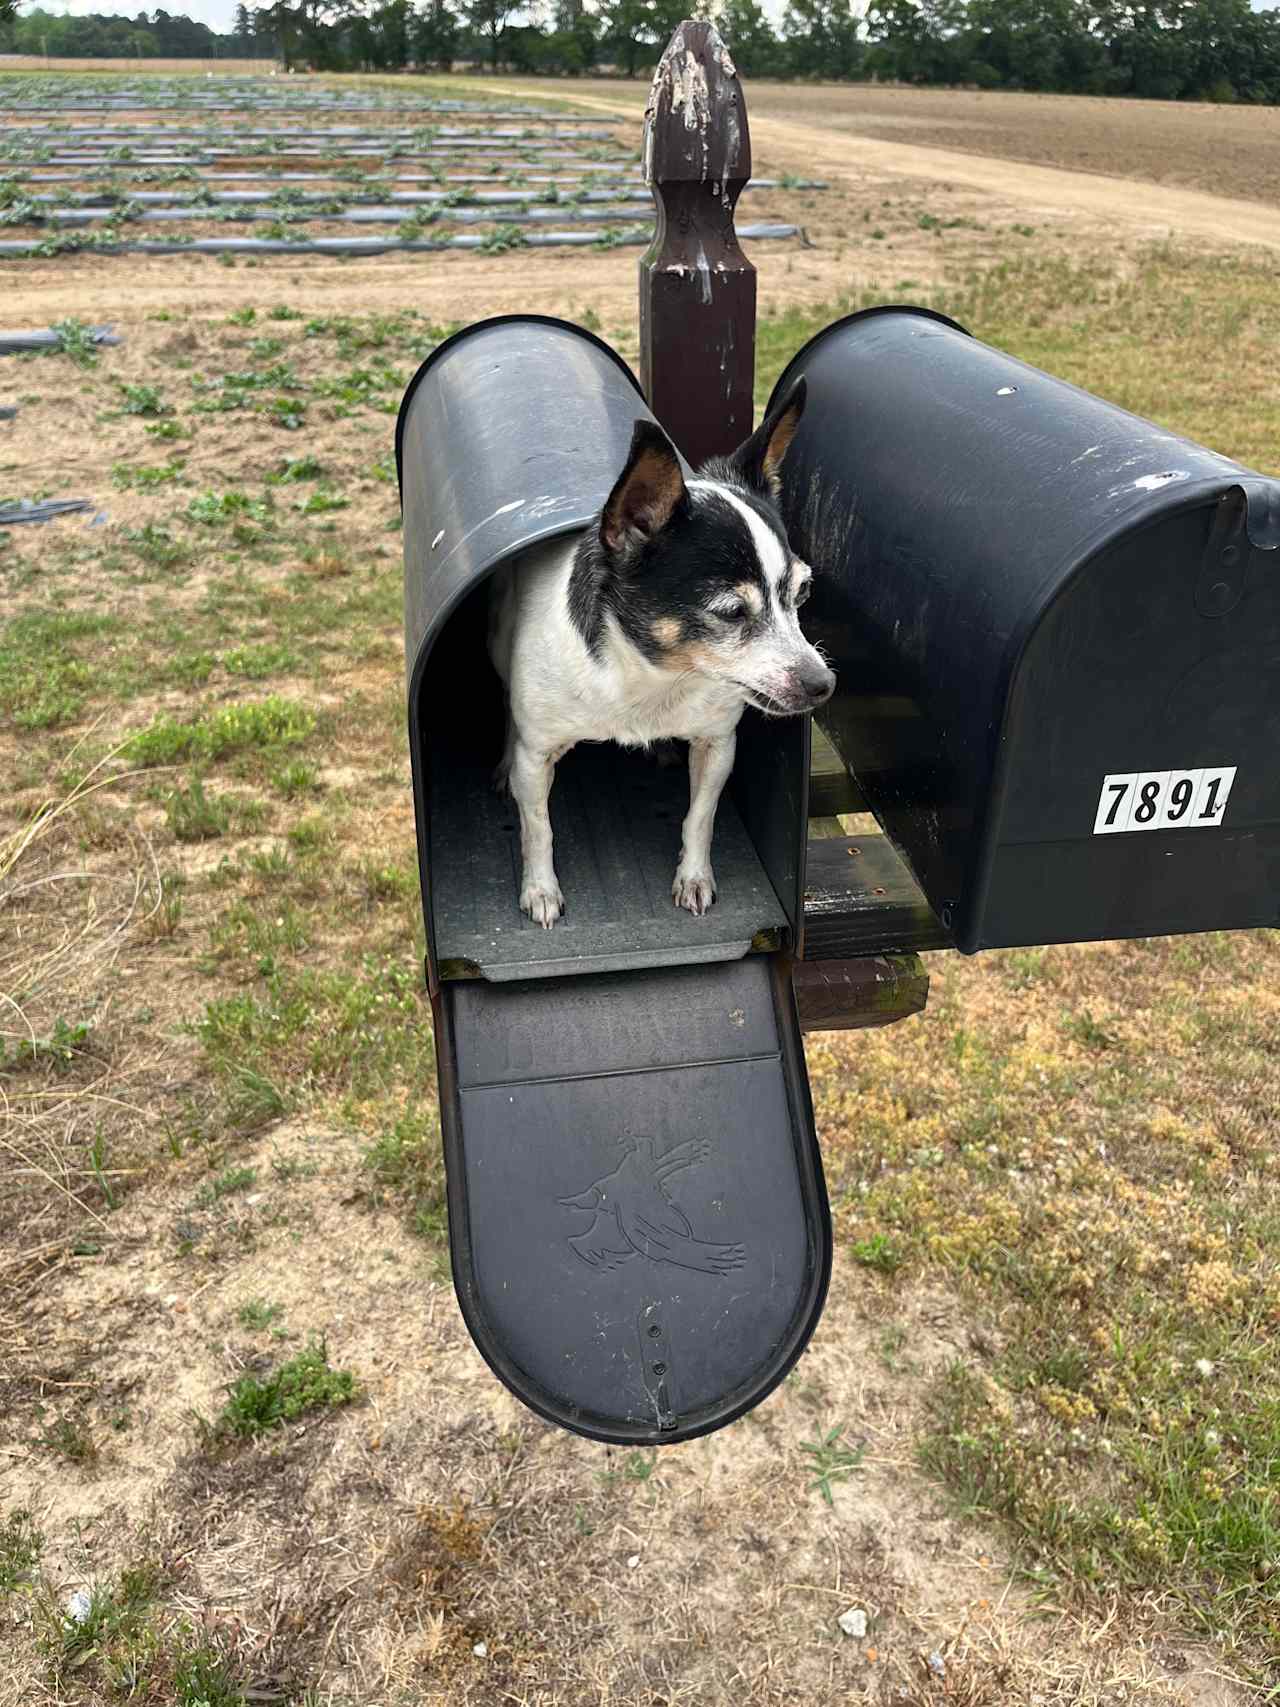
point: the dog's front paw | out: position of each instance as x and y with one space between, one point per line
543 902
693 890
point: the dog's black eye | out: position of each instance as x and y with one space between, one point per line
802 592
734 612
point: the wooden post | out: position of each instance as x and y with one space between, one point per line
697 367
697 288
849 995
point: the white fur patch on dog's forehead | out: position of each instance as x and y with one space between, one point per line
771 554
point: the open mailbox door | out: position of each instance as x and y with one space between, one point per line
638 1222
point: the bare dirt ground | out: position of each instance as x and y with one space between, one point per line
1228 150
434 1543
1216 169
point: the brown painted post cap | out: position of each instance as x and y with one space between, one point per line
695 124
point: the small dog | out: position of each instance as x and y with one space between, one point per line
674 610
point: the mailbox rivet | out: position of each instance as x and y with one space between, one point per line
655 1332
659 1369
1230 555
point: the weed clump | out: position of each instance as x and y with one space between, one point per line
20 1547
256 662
193 817
156 546
255 1406
76 340
59 1050
265 724
143 400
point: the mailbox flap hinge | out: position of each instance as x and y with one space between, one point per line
1224 567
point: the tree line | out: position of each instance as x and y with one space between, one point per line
1216 50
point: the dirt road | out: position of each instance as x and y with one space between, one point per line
1156 209
826 142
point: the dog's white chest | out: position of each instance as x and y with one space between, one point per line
696 710
561 694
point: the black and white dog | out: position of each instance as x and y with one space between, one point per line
675 609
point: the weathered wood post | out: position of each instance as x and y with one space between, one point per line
697 367
697 288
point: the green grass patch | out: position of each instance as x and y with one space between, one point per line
297 468
262 726
294 779
321 502
255 663
157 547
203 1677
211 508
106 1623
21 1545
1058 1142
59 1050
227 1184
194 817
255 1405
70 1438
348 1032
405 1167
257 935
133 478
50 663
831 1461
257 1314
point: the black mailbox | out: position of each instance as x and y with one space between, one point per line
637 1217
1056 631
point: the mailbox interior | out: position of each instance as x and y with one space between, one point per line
510 437
616 815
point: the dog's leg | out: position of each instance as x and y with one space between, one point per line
502 773
710 763
532 771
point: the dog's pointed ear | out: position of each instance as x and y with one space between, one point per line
648 492
759 460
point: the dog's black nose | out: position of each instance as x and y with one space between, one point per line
818 685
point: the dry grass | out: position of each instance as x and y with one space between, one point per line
68 1118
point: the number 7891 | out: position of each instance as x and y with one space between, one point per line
1163 800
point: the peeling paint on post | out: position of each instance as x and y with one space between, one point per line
697 288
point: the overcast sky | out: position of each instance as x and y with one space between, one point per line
219 13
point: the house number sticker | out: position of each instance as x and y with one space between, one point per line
1163 800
